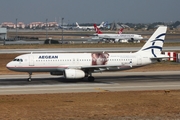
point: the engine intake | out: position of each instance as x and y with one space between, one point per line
74 74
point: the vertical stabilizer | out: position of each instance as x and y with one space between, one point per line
101 25
98 31
120 31
155 42
77 25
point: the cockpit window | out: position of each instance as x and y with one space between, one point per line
15 59
19 60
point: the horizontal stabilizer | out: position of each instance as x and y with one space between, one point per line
160 57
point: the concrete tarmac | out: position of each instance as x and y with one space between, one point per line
106 81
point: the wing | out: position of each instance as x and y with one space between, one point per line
99 68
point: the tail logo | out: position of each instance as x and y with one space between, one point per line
97 29
153 46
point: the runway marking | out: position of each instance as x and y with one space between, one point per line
155 86
59 85
83 88
101 90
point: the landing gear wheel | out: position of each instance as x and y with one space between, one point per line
91 79
29 79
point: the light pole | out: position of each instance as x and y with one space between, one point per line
62 28
16 29
46 30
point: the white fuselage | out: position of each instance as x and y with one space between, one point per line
51 62
121 36
88 27
85 27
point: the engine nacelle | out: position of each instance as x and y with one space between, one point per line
116 40
56 73
123 41
74 74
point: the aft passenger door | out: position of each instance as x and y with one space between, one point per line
31 60
139 60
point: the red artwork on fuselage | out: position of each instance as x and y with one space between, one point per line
99 58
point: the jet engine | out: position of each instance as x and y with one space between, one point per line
116 40
73 74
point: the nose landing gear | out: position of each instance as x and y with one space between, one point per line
29 79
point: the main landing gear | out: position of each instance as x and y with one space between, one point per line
29 79
91 78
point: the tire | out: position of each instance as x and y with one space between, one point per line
91 79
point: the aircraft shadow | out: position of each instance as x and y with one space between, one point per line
98 79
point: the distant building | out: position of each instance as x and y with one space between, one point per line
36 25
3 33
8 25
21 25
12 25
40 25
52 24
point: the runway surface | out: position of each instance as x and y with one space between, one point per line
106 81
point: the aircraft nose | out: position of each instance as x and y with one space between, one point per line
9 65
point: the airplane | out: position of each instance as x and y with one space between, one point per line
89 27
82 65
98 31
96 38
120 31
66 27
117 37
104 25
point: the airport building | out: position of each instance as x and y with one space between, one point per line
3 33
41 24
36 24
12 25
8 25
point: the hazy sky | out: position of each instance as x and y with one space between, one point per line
93 11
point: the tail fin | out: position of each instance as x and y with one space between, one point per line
105 24
101 25
77 24
97 29
155 42
121 30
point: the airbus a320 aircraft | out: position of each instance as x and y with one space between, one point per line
88 27
81 65
117 37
